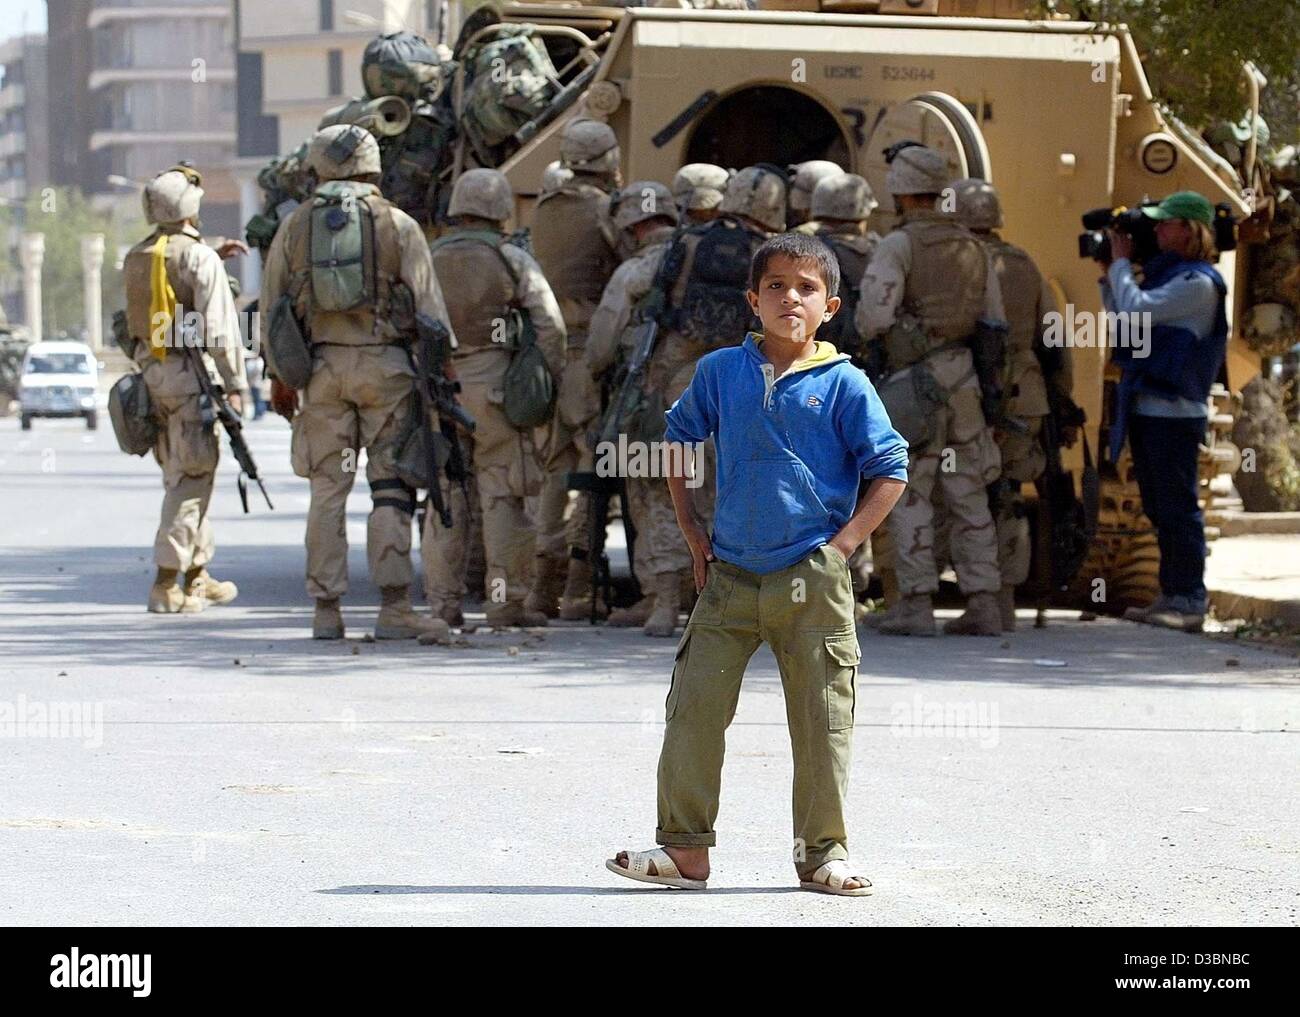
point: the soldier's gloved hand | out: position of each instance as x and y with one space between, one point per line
1069 436
284 400
236 403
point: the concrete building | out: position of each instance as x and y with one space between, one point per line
138 86
24 147
296 59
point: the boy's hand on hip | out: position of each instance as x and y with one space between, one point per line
701 553
842 546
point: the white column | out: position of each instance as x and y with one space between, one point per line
92 261
31 253
250 203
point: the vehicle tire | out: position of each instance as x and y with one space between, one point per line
92 420
1125 553
26 422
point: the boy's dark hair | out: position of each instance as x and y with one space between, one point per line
797 247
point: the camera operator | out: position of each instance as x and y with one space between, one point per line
1163 395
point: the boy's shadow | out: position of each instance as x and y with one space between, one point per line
545 891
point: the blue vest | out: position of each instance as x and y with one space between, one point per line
1180 363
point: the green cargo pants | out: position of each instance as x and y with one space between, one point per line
805 613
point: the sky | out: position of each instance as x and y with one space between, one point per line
11 16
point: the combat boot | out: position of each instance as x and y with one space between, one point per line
575 603
632 617
1007 608
327 621
548 585
982 617
165 597
911 616
668 594
200 583
514 613
398 620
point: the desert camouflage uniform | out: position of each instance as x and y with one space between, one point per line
359 396
936 269
483 278
186 450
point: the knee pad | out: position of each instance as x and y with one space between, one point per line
393 493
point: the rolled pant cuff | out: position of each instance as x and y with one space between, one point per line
670 839
813 862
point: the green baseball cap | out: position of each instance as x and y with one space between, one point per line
1183 205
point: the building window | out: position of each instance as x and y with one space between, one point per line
335 72
327 17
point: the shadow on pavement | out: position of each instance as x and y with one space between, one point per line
86 604
592 891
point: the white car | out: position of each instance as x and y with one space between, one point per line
59 379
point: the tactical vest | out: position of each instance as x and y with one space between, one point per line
412 160
478 287
573 243
137 267
852 251
1021 283
707 304
380 323
945 291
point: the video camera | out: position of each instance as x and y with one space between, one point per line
1095 244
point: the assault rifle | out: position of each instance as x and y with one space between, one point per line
438 398
214 408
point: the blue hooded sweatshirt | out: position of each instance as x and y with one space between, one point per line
791 451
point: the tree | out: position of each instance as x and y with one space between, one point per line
1193 51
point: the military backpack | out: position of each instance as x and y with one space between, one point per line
512 82
713 309
529 389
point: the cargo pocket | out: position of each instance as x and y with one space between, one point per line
711 607
198 449
842 657
299 450
679 665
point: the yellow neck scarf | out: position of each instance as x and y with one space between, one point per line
162 298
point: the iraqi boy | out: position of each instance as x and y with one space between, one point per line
800 434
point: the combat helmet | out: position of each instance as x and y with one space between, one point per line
978 207
485 193
555 176
916 169
805 176
589 146
699 186
758 193
642 200
342 151
172 196
847 196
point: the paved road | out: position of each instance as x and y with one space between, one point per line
226 769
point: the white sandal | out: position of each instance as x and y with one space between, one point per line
832 876
638 868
